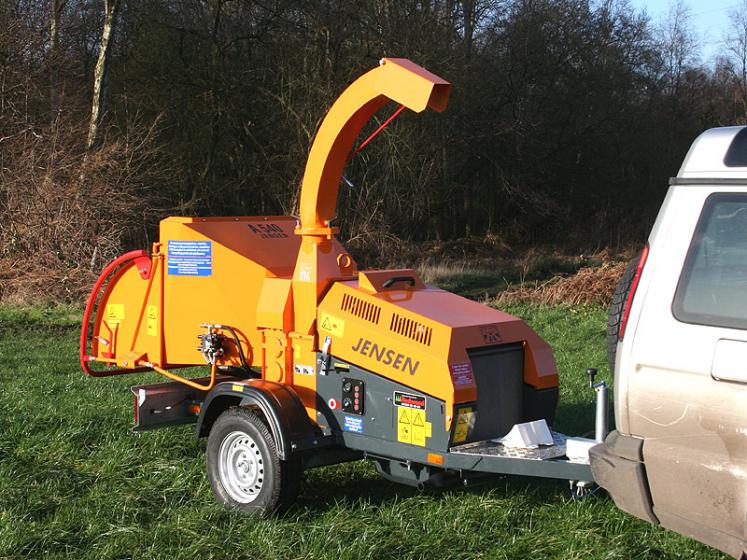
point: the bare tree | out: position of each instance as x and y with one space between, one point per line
100 75
565 117
468 19
54 71
678 45
735 41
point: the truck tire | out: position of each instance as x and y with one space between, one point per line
617 309
244 469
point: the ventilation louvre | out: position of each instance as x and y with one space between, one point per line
363 309
411 329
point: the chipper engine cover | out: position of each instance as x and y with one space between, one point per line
369 363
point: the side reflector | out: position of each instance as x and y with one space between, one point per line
194 408
435 458
633 288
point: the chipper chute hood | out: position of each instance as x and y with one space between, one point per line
395 79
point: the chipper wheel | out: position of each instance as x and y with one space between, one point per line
243 466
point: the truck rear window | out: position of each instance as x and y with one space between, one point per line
712 289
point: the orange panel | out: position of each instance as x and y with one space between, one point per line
420 338
220 279
274 309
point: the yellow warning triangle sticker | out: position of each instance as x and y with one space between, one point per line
403 417
417 420
325 324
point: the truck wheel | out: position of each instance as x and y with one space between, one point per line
244 468
617 308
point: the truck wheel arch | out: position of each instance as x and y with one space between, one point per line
278 404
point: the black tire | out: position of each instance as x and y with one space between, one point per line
244 469
617 308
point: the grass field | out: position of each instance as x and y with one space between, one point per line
76 483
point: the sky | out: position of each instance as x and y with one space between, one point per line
710 19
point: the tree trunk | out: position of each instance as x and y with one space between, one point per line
98 105
468 23
54 71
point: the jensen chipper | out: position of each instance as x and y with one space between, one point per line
309 361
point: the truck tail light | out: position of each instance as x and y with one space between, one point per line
633 288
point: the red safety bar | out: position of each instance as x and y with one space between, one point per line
85 358
376 132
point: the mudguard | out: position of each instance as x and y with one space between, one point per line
282 408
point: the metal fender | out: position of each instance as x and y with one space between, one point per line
281 407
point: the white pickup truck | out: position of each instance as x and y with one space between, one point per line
678 349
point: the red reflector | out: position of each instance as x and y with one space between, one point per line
194 408
137 411
633 288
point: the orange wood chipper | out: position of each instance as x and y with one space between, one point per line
311 361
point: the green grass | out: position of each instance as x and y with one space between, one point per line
76 483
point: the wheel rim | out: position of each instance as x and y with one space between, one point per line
240 467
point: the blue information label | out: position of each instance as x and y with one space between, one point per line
190 258
353 424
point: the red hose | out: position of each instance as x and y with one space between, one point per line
110 268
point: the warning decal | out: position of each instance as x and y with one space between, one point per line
190 258
114 313
461 374
465 420
304 275
412 426
303 369
409 401
332 324
491 334
152 320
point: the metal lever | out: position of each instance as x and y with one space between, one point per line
600 428
592 373
324 359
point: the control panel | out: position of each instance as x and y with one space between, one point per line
352 396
